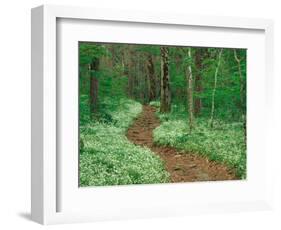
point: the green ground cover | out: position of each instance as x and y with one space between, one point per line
223 143
106 155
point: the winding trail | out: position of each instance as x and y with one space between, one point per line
182 166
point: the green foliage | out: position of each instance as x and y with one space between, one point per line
107 157
149 49
89 51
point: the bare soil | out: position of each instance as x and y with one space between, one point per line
182 166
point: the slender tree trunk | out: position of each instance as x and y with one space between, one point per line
165 103
152 78
240 80
128 59
146 85
143 80
214 89
158 78
130 83
134 76
198 81
139 92
241 94
94 85
189 79
83 76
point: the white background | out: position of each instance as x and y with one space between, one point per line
15 113
182 196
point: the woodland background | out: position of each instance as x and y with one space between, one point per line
200 94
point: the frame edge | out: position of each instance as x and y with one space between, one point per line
37 162
41 209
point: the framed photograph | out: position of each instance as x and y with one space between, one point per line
141 114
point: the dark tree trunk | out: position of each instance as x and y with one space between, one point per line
128 59
94 86
198 81
152 78
130 85
165 103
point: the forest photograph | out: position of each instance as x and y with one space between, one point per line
151 114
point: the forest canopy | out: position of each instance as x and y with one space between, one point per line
198 95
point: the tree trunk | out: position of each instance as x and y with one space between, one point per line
214 89
94 83
152 78
165 104
241 94
240 80
190 92
128 58
138 79
198 81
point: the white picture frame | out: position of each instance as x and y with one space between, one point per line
47 176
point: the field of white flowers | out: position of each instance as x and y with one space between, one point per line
224 143
106 155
